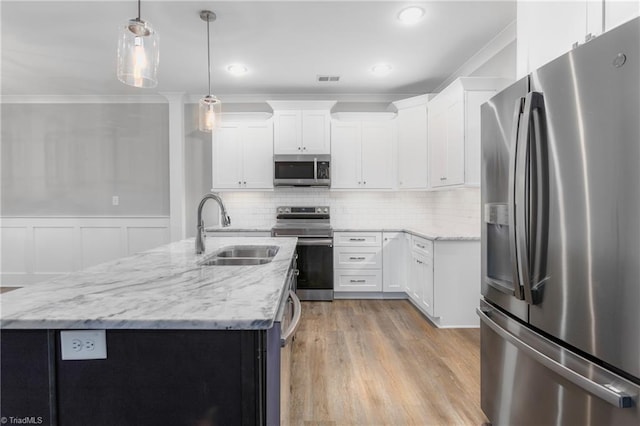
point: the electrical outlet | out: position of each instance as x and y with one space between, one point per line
83 344
115 200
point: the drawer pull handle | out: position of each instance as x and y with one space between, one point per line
419 261
356 239
357 281
356 258
421 246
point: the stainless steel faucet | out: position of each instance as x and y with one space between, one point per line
226 220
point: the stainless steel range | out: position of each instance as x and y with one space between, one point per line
312 226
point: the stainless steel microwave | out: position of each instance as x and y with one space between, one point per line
302 170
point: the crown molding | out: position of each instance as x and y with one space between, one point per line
82 99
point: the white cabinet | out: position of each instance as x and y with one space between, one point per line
548 29
421 289
454 131
357 262
394 262
302 132
362 154
243 156
412 143
617 12
421 275
445 280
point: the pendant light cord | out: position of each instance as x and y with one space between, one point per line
139 11
208 57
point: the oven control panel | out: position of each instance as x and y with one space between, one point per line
311 211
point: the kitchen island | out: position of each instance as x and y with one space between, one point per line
185 344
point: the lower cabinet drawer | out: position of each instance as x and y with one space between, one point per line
357 257
357 280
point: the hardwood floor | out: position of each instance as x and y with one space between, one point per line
375 362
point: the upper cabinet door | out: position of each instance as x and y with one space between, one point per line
412 148
377 154
316 130
258 155
438 145
548 29
227 161
454 131
618 12
346 157
455 124
287 132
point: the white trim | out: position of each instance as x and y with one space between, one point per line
177 177
230 117
82 99
301 105
413 102
499 42
363 116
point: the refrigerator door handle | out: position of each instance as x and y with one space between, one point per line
609 391
513 173
526 214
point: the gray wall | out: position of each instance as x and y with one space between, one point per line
68 159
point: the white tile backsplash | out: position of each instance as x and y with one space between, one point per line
456 210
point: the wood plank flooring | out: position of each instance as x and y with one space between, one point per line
380 362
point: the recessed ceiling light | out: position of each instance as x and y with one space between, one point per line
381 69
237 69
411 15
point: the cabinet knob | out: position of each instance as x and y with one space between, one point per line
244 183
299 148
304 148
443 178
365 182
239 183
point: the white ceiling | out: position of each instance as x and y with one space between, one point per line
69 47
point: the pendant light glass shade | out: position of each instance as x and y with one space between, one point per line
209 113
209 106
138 54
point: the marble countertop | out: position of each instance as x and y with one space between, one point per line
430 233
163 288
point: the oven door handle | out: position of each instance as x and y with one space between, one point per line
295 322
327 242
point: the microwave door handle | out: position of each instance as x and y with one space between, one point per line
315 169
513 172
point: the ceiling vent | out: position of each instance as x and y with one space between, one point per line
328 78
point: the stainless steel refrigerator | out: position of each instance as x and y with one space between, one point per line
560 312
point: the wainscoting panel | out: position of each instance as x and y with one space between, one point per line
54 250
141 239
14 249
100 245
39 248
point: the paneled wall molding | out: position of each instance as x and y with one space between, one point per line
38 248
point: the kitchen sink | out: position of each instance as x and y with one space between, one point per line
247 251
241 255
236 261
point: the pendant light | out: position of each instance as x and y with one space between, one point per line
209 109
138 53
